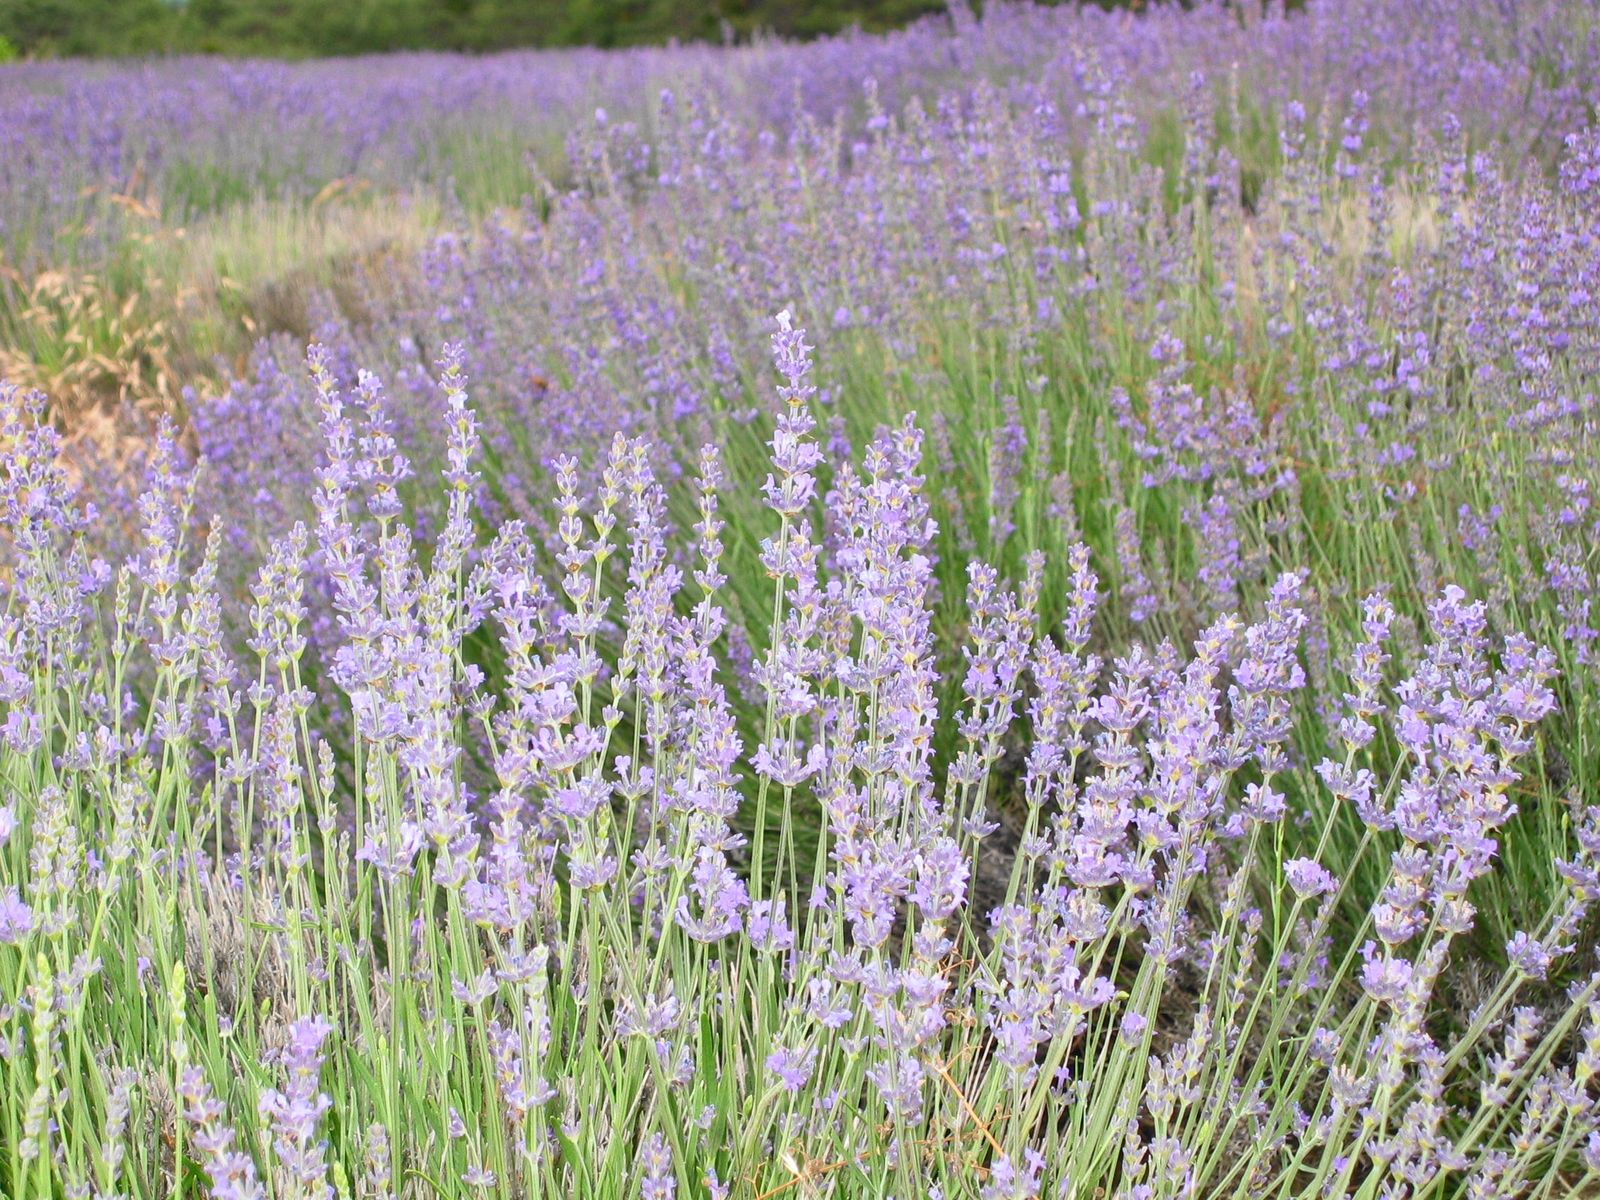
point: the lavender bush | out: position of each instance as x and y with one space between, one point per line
1115 720
136 201
187 136
494 939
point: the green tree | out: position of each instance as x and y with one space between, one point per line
297 28
87 26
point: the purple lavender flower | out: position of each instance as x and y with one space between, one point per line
294 1113
232 1172
1308 878
792 1069
658 1181
16 918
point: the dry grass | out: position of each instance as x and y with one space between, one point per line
86 344
251 271
182 305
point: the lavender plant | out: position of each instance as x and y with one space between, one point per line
96 149
1116 720
479 938
1213 377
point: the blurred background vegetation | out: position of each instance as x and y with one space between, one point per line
305 28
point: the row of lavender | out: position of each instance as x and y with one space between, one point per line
78 142
1384 377
1101 782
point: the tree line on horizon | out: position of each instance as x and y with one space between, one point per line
311 28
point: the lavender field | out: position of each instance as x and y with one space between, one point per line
1001 611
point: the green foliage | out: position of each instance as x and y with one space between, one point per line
306 28
56 27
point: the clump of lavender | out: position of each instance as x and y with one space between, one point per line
521 889
231 1170
292 1115
1216 820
